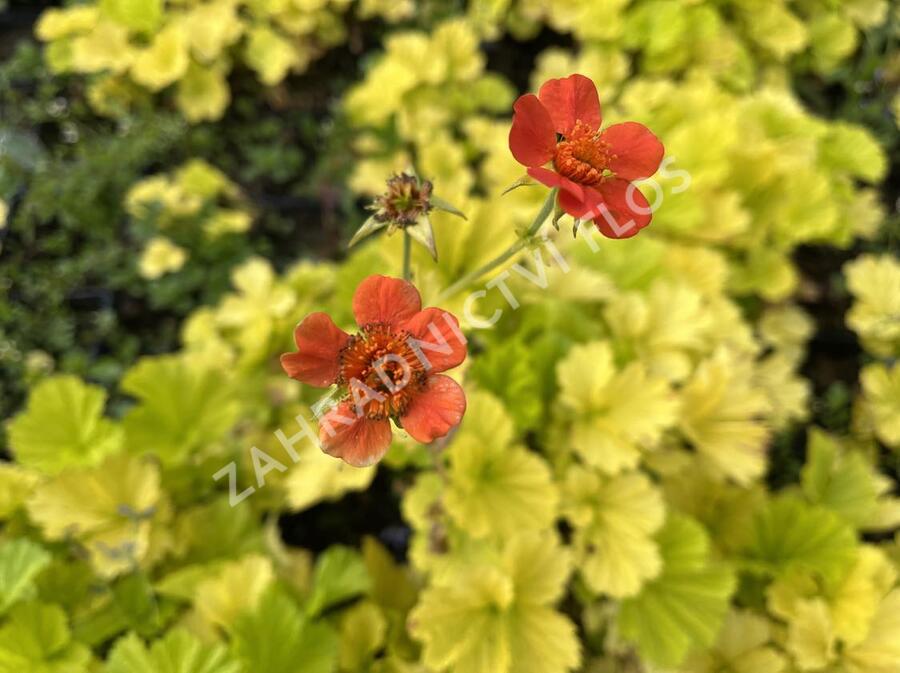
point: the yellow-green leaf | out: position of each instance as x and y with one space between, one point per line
683 608
63 426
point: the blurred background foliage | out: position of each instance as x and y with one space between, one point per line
683 456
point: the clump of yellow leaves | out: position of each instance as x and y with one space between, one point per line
116 510
495 615
188 48
874 282
160 257
734 39
192 204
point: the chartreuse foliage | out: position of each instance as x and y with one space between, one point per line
875 317
848 484
791 535
881 386
615 520
21 561
36 637
134 48
112 509
794 181
744 644
181 406
494 487
493 614
276 637
177 652
192 208
873 281
664 524
607 406
64 426
736 39
604 505
682 609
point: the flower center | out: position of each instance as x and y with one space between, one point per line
582 156
382 369
405 200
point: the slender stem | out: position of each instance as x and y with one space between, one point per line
407 255
520 243
472 276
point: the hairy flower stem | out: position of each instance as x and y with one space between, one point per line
407 255
504 256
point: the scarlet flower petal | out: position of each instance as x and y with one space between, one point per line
386 300
621 210
571 99
436 410
319 343
532 140
441 344
357 440
636 152
577 207
554 179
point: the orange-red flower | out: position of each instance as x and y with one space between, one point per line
390 369
593 169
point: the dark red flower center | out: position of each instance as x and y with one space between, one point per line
582 156
377 362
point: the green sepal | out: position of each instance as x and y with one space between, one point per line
423 233
576 225
524 181
558 212
440 204
370 226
